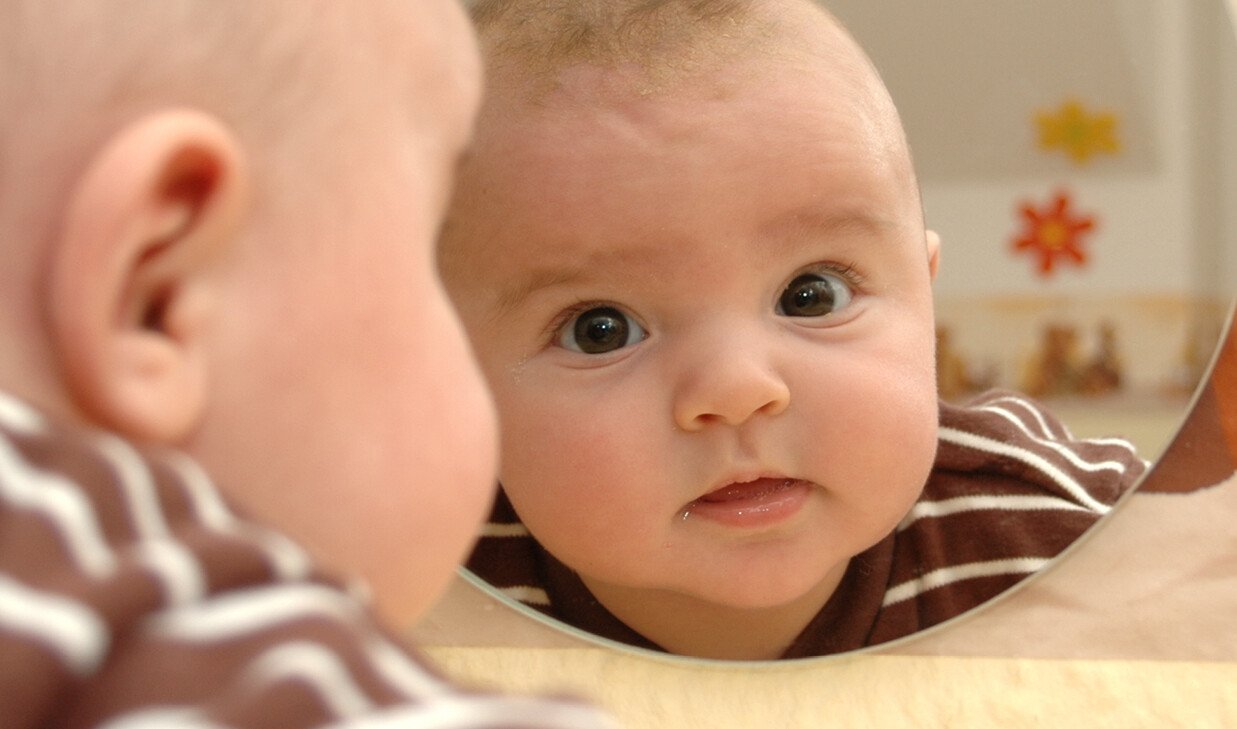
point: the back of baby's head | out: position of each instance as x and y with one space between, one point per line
75 71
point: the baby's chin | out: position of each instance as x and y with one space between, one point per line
771 591
807 592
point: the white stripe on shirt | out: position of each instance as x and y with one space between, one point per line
315 666
1069 454
526 594
174 565
1062 479
1036 414
986 502
162 717
17 415
494 529
244 612
247 611
63 504
957 573
69 628
136 484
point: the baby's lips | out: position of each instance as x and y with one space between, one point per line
755 489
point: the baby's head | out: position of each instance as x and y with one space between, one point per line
689 251
218 219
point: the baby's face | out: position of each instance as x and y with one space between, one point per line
706 317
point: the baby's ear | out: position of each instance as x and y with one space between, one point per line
934 252
130 286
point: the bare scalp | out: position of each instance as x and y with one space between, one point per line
665 40
657 45
75 71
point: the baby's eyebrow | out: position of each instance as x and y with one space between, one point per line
809 225
549 277
575 263
798 229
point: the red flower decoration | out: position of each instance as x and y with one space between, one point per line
1053 233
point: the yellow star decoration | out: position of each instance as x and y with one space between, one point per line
1079 133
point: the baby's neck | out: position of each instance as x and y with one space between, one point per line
688 626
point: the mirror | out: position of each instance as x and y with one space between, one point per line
1075 161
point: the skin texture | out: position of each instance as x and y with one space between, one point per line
375 426
294 337
691 211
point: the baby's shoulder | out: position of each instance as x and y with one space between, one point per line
1011 488
1004 445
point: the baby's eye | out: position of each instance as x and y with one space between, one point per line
814 294
600 330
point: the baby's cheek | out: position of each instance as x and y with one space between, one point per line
578 482
566 435
537 450
910 463
556 458
870 431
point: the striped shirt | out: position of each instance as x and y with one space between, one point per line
131 596
1009 490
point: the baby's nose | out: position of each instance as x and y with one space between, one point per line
730 389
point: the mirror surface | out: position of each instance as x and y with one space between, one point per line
1074 159
1122 108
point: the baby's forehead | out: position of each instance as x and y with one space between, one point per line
592 107
549 124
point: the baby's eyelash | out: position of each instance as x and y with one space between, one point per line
844 271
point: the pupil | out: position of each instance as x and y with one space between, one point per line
601 330
808 295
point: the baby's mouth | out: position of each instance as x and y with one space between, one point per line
747 490
747 505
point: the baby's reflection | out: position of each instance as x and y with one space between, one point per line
690 252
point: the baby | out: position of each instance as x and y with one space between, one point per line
217 223
690 253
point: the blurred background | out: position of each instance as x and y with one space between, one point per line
1078 162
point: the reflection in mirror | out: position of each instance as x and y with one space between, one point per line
690 251
1075 159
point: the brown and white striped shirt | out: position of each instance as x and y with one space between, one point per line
131 596
1010 489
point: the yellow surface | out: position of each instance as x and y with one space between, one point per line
865 691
